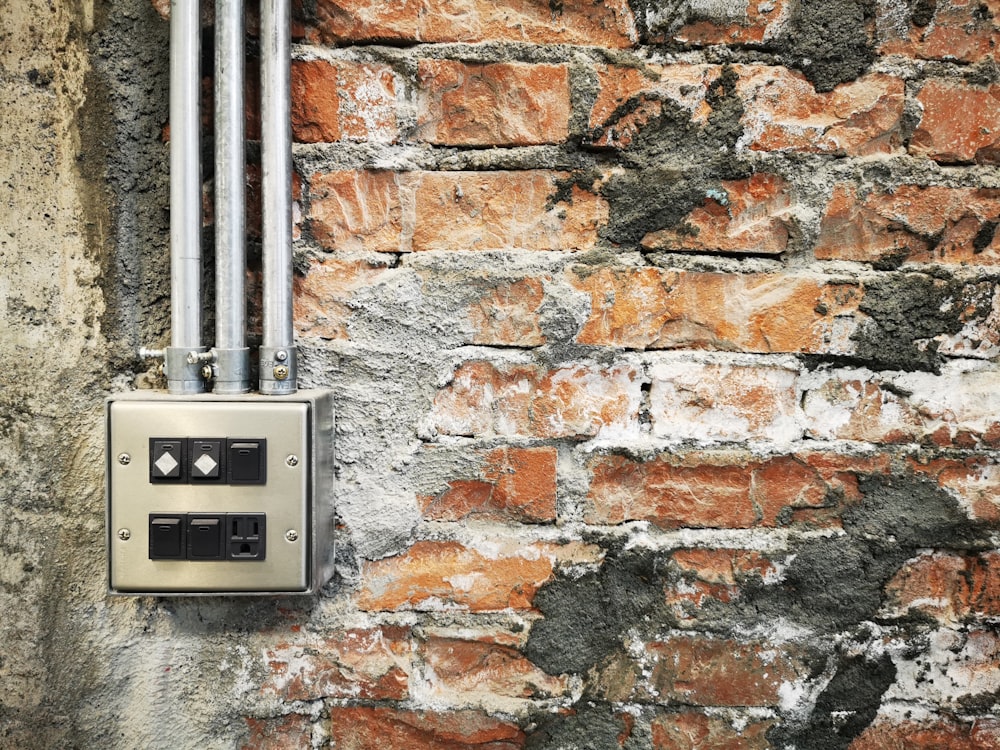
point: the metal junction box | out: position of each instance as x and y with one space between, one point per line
211 495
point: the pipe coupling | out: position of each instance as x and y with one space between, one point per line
278 370
183 377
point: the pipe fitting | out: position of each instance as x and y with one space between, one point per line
183 377
278 376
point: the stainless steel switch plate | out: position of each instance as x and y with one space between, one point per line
249 509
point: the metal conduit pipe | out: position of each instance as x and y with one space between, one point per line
278 371
184 376
232 357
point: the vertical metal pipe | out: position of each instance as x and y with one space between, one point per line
232 358
185 199
277 353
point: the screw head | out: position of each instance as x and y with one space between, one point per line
291 535
124 459
292 460
281 355
280 372
124 534
206 372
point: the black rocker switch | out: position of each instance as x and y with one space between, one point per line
246 461
204 537
166 537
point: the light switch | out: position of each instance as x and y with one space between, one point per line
205 455
247 461
166 537
166 460
204 535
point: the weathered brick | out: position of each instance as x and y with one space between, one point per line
342 101
581 400
607 24
370 664
499 104
785 113
321 298
935 733
957 30
513 484
695 731
974 480
781 109
357 210
958 409
959 122
650 308
503 210
953 669
509 314
448 575
754 22
712 402
746 216
363 728
697 670
947 587
911 223
291 732
706 576
466 673
725 489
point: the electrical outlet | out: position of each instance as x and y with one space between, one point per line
219 495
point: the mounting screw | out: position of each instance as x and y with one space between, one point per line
292 460
206 372
291 535
124 534
281 355
280 372
124 459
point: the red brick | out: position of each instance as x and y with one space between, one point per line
499 104
292 732
509 314
349 101
357 211
580 400
782 111
751 217
651 308
959 123
695 731
713 575
321 298
447 575
975 480
704 671
948 587
362 728
725 489
368 664
710 402
959 30
606 24
514 484
503 210
463 672
862 410
912 223
938 734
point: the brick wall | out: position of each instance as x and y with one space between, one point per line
663 338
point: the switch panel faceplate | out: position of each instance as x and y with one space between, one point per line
219 495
